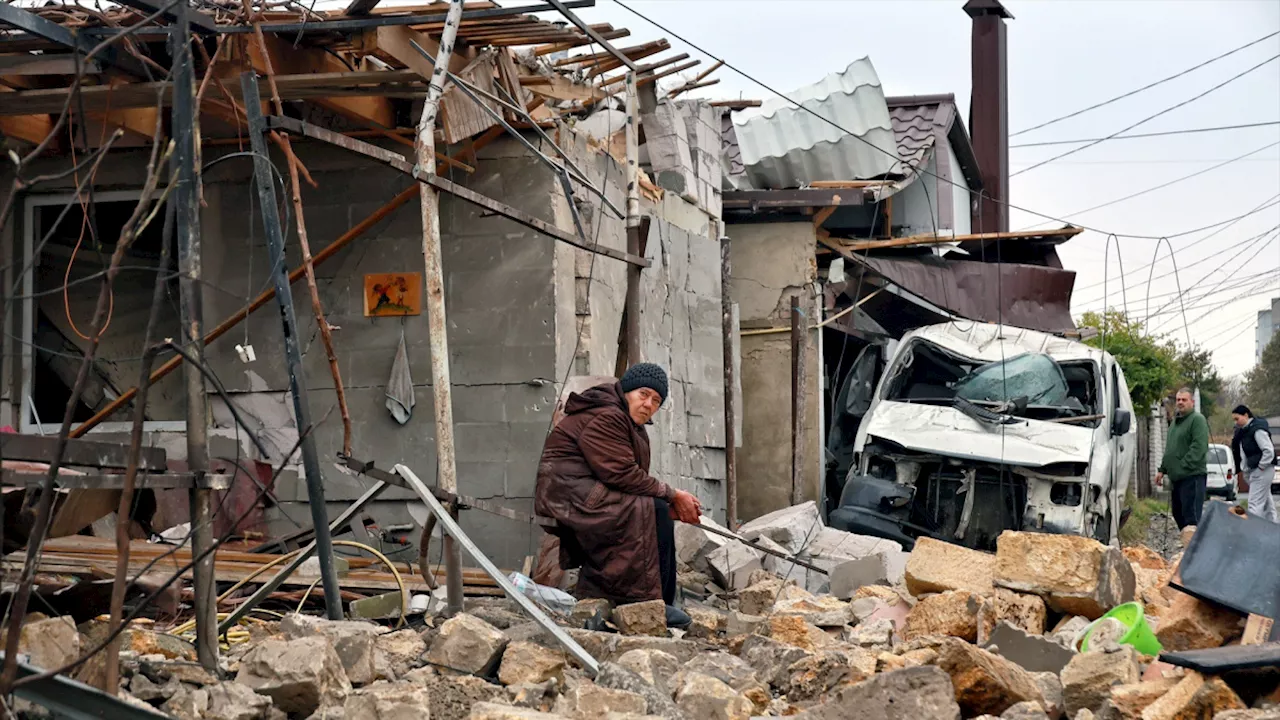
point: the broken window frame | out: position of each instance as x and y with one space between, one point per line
30 227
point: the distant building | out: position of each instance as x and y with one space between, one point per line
1268 326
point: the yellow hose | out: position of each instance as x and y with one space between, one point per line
404 590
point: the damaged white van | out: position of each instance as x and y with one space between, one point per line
975 428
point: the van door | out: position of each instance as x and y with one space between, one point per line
1122 438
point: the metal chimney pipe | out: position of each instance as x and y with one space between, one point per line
989 112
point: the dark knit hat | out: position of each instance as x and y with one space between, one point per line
646 375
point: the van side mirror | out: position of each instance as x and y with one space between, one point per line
1122 422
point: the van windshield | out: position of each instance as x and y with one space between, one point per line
1031 385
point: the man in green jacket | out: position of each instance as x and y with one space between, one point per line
1184 461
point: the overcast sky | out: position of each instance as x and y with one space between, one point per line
1064 56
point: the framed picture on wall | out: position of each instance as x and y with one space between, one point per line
392 294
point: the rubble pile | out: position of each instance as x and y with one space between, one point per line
942 632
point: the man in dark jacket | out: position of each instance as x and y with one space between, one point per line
615 519
1185 460
1255 458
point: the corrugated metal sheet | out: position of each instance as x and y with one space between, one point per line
783 146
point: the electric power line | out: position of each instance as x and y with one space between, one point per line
1262 243
1146 87
1136 136
1149 118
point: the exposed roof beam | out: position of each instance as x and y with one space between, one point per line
563 7
200 22
33 24
364 23
360 7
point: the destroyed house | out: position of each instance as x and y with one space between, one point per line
860 216
533 221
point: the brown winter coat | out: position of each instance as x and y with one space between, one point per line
594 480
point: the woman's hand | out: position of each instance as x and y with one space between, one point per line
686 507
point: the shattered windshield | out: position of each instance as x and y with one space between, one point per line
1034 376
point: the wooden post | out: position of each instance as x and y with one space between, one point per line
729 327
631 304
439 327
797 400
1143 489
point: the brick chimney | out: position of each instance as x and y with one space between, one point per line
989 111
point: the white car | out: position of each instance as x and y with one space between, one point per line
1221 471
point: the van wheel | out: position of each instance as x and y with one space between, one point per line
1102 529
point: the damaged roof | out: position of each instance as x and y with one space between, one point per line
841 131
919 121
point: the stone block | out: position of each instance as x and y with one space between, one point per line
396 653
1074 574
642 618
984 682
792 527
909 694
793 630
385 701
467 644
588 608
703 696
1025 711
657 702
693 544
850 575
935 566
353 641
1194 697
829 670
51 643
1027 612
741 623
953 614
1051 689
1131 700
729 669
1032 652
707 622
823 610
654 666
592 701
683 650
872 634
1189 624
527 662
732 565
494 711
298 675
1087 680
233 701
771 658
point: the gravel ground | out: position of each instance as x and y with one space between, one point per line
1163 535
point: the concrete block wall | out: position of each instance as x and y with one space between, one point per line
702 124
668 144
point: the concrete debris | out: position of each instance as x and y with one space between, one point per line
1075 575
882 568
953 613
51 643
1051 692
771 658
642 618
657 702
935 566
759 598
1088 679
494 711
1129 701
824 611
396 653
732 564
1025 711
298 675
388 701
706 623
591 701
467 644
1026 612
694 544
794 528
1032 652
1194 697
794 631
234 701
589 608
817 675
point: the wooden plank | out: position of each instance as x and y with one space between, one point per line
821 217
579 42
27 65
394 160
360 7
463 118
139 121
510 77
562 88
82 453
931 239
288 60
391 44
780 199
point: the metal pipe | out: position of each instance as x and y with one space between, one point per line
797 400
727 329
231 322
293 355
631 303
187 214
438 324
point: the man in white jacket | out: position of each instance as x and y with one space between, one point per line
1255 457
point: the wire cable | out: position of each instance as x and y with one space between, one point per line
1136 136
1149 118
1131 93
